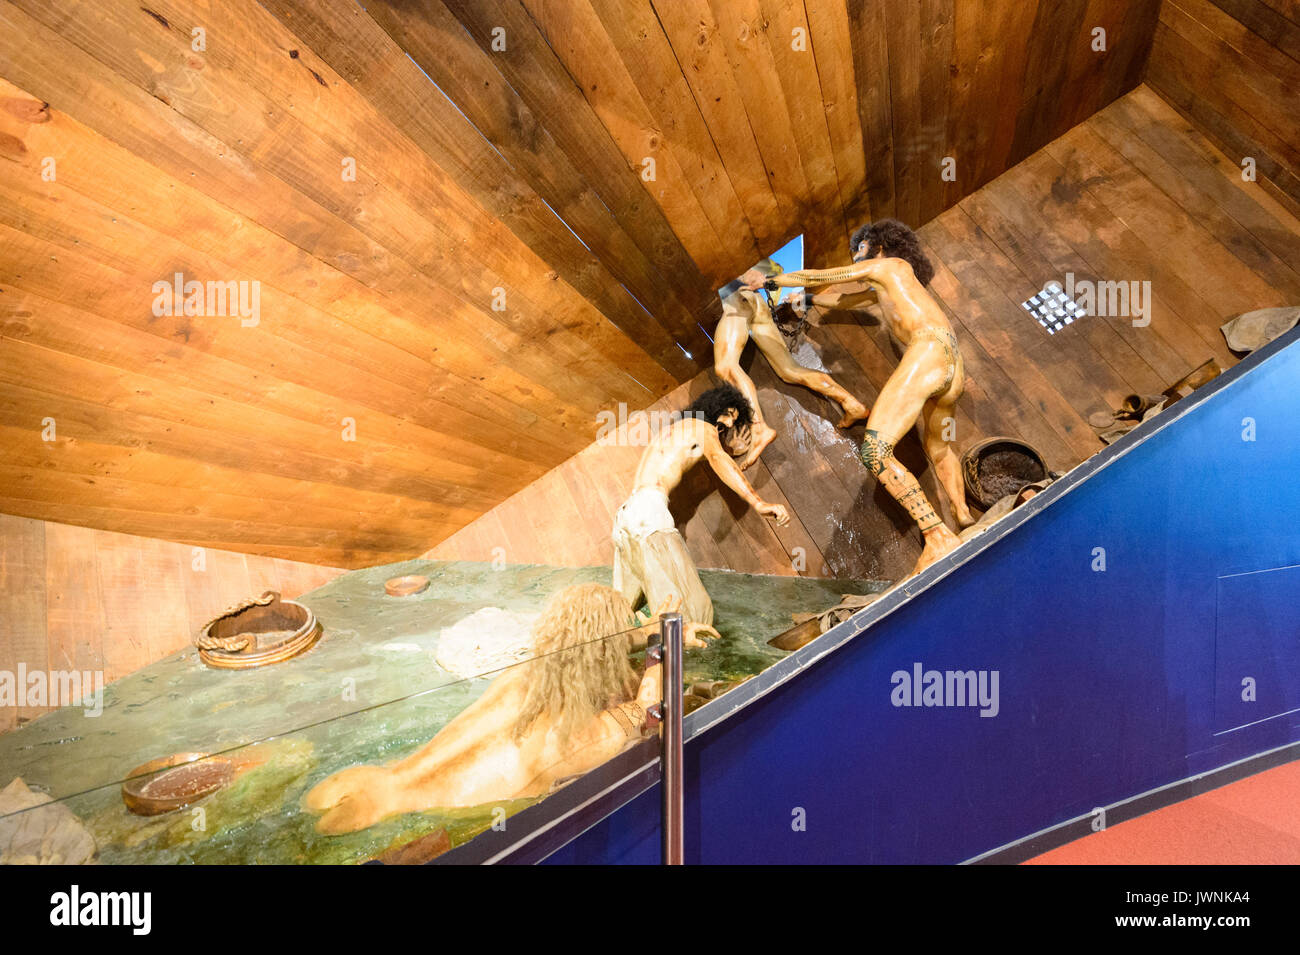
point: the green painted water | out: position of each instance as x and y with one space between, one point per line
368 692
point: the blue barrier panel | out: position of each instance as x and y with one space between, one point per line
1113 633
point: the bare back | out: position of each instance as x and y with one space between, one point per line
674 452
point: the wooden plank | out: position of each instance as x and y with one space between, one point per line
871 73
580 40
1059 35
1000 404
199 489
829 32
1169 78
1196 190
134 421
784 28
1149 360
1249 71
1166 130
402 187
22 612
120 566
635 31
74 609
162 598
305 409
937 43
105 101
914 158
1094 347
988 73
126 182
1225 283
1007 333
1225 103
741 35
693 35
1276 23
358 49
1112 251
541 81
470 78
112 233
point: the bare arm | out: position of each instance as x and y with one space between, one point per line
871 270
837 298
731 475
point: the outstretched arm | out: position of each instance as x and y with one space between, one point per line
845 297
731 475
873 269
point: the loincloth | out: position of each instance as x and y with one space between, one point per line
644 513
650 557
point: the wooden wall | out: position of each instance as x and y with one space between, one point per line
389 394
1135 193
1233 68
75 598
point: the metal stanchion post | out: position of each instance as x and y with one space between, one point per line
674 801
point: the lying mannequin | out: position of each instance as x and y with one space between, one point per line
574 706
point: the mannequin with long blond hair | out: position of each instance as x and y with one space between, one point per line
576 704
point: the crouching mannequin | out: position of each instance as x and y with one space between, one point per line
650 555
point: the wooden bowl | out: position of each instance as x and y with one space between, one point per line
406 586
1000 466
800 635
172 782
275 631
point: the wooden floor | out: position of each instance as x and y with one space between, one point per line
1233 67
72 598
1134 194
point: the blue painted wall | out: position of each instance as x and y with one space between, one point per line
1107 679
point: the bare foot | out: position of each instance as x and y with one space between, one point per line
939 542
964 517
854 411
760 437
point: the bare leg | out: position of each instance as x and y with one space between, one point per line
947 465
768 338
900 402
729 341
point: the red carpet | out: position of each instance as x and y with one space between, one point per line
1253 821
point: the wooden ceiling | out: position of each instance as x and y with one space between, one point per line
444 326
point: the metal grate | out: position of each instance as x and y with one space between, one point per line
1053 309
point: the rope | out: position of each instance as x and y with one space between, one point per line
238 641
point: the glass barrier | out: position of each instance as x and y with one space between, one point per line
387 675
399 780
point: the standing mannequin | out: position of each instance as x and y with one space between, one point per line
925 386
